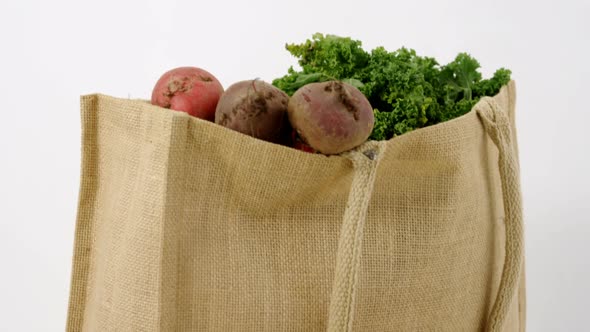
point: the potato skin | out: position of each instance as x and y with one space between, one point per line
188 89
332 117
257 109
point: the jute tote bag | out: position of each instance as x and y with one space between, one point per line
184 225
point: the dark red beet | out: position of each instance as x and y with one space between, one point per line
331 117
255 108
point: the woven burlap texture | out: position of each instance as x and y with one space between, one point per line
187 226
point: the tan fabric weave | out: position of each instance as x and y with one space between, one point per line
187 226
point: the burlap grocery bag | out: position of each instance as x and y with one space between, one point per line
184 225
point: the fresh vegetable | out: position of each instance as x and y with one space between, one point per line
299 144
406 90
188 89
255 108
331 117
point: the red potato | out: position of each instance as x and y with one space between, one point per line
255 108
188 89
331 117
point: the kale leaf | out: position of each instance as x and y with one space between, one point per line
406 90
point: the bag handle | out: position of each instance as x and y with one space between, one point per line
365 160
497 125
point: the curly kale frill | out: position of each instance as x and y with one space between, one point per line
406 90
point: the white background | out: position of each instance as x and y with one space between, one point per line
51 52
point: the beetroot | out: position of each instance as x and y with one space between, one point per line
299 144
188 89
331 117
255 108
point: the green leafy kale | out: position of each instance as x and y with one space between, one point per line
407 91
322 59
